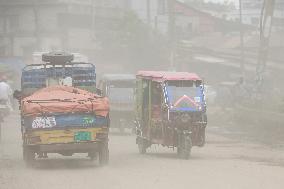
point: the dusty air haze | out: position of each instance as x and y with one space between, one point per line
231 45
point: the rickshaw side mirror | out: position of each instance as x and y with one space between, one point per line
17 94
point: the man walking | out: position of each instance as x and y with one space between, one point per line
5 92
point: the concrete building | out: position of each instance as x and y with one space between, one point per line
252 12
34 25
189 21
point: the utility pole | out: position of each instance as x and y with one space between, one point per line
36 22
93 20
242 59
148 12
171 32
65 31
266 20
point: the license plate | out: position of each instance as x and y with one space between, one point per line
43 122
82 136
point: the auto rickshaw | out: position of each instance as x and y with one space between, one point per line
119 88
170 111
60 112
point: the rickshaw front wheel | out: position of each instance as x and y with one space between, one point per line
184 146
141 145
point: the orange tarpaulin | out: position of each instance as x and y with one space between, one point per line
63 99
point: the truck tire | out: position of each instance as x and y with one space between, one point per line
103 154
92 155
28 156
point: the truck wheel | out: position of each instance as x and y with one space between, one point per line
184 146
104 154
141 145
92 155
28 156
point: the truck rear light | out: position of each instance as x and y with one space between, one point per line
101 135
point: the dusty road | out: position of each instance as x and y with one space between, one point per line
222 164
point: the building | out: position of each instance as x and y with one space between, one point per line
189 21
252 12
34 25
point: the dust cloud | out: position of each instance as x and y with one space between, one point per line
235 47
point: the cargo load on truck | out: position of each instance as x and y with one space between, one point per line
64 99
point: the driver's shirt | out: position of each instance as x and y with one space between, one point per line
5 91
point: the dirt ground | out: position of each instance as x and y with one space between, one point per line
224 163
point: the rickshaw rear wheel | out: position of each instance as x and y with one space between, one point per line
202 137
142 146
103 154
184 146
28 156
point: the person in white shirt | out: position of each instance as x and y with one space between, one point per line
5 92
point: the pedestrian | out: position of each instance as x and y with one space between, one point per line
5 92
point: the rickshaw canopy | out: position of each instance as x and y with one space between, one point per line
161 76
118 77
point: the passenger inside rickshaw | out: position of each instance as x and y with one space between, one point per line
156 100
145 105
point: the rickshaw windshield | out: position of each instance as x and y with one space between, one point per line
186 94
